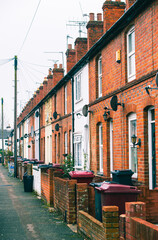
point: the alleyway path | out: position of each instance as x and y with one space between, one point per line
25 217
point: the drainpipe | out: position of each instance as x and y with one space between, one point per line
39 137
73 119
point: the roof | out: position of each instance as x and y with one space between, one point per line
124 21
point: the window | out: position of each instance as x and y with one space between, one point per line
132 128
151 148
55 102
70 142
65 138
100 148
100 77
56 152
58 147
77 146
111 145
65 98
78 86
131 54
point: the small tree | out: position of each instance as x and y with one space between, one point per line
68 165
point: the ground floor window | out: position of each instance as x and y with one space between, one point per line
77 149
132 129
151 148
100 148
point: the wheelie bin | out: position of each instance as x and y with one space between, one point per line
122 176
117 195
82 176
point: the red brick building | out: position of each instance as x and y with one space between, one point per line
123 63
121 52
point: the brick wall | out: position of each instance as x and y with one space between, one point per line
82 197
150 198
133 225
47 185
91 228
64 198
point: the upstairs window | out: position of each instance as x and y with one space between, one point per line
100 77
78 86
65 99
131 54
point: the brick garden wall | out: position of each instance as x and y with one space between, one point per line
150 197
47 185
91 228
133 224
64 198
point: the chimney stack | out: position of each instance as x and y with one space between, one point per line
58 73
80 48
70 57
129 3
94 29
112 11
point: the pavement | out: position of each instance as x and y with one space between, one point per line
23 216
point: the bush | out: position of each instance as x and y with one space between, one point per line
67 165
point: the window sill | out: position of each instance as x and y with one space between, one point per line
78 101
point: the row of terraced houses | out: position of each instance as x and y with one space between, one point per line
104 99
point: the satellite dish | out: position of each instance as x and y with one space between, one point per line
85 110
57 127
37 114
55 115
157 79
114 103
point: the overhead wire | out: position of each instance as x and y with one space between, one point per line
36 64
4 61
29 28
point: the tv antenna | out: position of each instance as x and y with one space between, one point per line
79 24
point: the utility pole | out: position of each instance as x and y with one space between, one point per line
15 117
2 134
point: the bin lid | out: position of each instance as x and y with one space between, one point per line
56 165
123 172
117 188
81 174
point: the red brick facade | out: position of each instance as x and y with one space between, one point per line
132 94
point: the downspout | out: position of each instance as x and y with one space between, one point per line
39 136
73 119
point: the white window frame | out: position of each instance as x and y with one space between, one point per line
65 143
65 99
111 146
150 121
78 87
131 55
131 118
100 127
56 149
100 77
70 140
78 151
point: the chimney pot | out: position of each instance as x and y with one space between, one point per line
99 17
69 46
91 16
55 65
50 71
60 65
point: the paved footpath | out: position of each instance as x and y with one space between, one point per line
25 217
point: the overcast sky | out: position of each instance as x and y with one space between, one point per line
48 34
